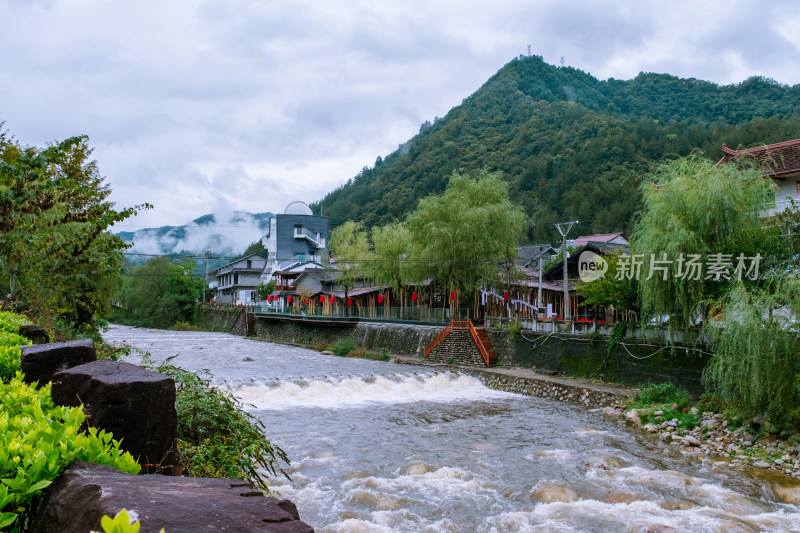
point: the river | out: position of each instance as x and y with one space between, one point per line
382 447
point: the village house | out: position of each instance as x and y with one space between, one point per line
781 163
238 281
296 240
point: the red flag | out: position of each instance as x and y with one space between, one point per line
289 299
505 296
349 302
305 302
413 296
322 298
453 296
380 298
332 298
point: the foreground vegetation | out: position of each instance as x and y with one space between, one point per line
39 440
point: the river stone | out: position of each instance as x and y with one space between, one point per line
135 404
666 479
78 499
554 494
632 418
789 494
761 464
35 334
41 361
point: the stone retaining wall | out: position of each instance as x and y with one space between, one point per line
529 386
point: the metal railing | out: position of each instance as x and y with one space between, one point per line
303 233
420 314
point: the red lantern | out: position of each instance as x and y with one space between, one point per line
453 296
289 299
322 298
332 298
305 301
349 302
413 296
505 296
380 298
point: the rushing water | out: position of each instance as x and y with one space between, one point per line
380 447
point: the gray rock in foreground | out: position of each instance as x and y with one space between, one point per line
135 404
41 361
76 502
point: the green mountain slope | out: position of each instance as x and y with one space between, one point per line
569 145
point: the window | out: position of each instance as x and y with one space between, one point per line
249 263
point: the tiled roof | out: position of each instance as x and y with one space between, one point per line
780 158
529 254
601 237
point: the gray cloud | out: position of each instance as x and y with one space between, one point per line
240 105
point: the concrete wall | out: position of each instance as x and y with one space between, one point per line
637 363
562 353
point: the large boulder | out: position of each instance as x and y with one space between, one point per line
41 361
76 502
135 404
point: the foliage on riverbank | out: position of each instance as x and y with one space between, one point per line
39 440
216 435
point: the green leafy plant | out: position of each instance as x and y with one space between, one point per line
216 436
38 441
513 328
661 394
121 523
344 346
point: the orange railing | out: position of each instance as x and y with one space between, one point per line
439 338
479 343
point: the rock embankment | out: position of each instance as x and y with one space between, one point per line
714 438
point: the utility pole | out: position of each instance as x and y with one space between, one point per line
205 284
539 296
563 229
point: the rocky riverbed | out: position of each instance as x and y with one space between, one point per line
739 447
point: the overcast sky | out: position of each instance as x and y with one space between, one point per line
201 106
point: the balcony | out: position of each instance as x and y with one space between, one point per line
315 238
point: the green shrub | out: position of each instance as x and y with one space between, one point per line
10 322
342 347
9 362
664 393
38 441
513 328
184 326
216 436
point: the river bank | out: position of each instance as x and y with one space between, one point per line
387 447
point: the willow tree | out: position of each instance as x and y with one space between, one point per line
693 213
391 246
460 237
350 251
756 363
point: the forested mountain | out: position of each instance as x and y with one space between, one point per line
222 234
569 145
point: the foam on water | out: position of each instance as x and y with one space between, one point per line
334 393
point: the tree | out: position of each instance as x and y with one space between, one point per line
611 290
460 237
392 243
55 251
692 209
756 363
160 293
350 248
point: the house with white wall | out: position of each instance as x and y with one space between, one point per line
781 164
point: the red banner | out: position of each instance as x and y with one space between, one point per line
349 302
453 296
413 296
380 298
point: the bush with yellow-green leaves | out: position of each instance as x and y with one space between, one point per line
39 440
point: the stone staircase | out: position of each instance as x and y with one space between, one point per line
461 343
